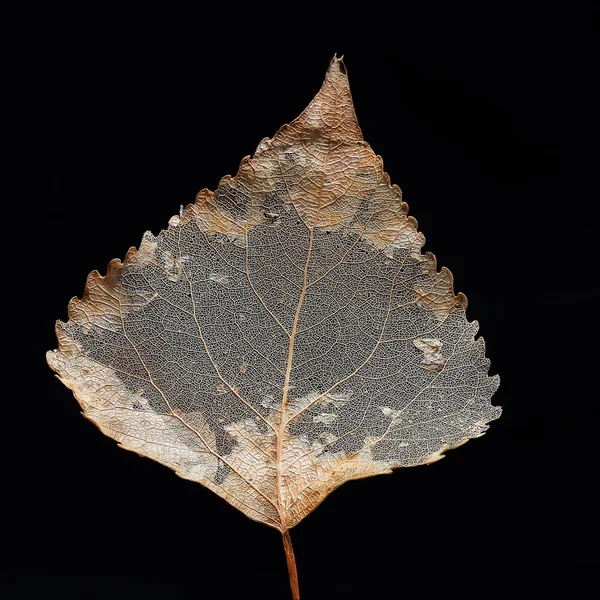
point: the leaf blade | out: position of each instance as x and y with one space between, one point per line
285 333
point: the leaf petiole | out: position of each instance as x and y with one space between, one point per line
291 563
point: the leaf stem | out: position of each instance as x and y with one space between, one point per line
291 564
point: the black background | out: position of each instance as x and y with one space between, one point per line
486 120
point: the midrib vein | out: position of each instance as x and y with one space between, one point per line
286 383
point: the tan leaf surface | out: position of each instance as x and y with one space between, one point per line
285 334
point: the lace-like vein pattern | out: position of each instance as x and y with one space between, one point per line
285 333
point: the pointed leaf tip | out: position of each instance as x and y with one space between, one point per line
337 65
330 114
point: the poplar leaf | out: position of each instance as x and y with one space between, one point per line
286 333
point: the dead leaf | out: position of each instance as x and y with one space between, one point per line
285 334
